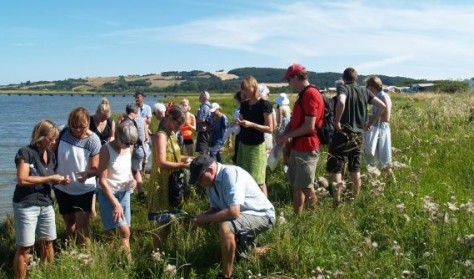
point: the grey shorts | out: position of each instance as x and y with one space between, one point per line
251 224
33 223
302 168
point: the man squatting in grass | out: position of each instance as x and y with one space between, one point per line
308 113
238 206
350 122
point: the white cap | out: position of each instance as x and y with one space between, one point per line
159 107
263 90
214 107
282 99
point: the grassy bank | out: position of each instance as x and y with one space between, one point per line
418 224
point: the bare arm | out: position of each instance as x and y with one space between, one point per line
340 106
192 123
159 142
104 158
209 217
267 127
25 179
380 110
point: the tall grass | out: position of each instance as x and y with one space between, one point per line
417 224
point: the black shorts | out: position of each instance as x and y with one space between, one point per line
345 147
69 204
202 142
188 141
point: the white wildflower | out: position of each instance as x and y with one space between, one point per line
427 254
323 182
322 192
469 240
398 165
407 218
400 207
373 171
396 248
469 264
281 219
468 207
156 255
406 274
452 206
170 269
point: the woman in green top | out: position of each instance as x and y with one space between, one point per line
167 158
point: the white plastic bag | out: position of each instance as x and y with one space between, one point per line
274 156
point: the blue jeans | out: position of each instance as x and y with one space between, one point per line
33 222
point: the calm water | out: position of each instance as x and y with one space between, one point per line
21 113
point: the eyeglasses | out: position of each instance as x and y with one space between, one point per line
79 127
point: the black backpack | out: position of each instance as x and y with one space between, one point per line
326 131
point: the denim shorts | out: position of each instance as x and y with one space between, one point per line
33 223
107 209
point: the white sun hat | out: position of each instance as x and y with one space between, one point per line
282 99
214 107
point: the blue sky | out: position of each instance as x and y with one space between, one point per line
54 40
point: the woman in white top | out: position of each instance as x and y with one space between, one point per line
284 112
77 156
117 182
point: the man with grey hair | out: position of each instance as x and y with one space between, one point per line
203 123
159 111
138 156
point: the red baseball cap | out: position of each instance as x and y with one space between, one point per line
293 70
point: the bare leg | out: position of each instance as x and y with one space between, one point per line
70 221
356 183
124 232
159 236
20 261
189 149
46 251
228 246
93 211
82 228
336 188
263 187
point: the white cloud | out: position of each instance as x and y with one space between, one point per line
383 34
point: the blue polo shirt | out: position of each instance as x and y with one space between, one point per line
233 185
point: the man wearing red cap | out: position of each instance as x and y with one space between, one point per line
308 113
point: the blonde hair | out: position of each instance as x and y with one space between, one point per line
185 101
43 129
375 82
249 83
79 116
104 107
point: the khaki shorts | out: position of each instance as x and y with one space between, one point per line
302 168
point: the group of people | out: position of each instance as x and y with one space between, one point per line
94 152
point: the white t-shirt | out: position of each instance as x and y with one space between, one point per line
73 157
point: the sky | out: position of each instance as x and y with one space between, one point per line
56 40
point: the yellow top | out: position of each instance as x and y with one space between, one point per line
158 192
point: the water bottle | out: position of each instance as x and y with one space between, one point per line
34 172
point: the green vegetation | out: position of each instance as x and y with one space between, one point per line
418 223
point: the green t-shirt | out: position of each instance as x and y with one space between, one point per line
354 116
